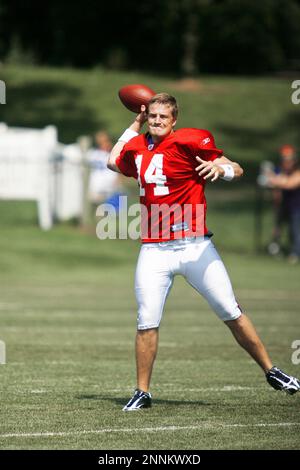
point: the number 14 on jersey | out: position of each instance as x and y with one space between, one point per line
153 174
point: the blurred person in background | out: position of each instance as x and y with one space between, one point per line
285 182
104 185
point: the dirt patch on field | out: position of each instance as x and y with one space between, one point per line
193 85
187 84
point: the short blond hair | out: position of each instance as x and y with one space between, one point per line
165 98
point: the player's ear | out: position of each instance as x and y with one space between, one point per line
174 123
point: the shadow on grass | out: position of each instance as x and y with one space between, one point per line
256 137
39 104
122 401
264 141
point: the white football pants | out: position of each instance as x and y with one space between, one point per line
198 261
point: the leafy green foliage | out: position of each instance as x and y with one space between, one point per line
175 36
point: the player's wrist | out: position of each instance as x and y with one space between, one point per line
228 170
137 125
127 135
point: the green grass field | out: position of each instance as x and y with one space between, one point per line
67 307
68 321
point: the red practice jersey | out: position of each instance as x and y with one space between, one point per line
173 203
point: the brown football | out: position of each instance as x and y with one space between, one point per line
133 96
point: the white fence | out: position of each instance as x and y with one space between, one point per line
34 166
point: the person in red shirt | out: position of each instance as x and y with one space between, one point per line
172 168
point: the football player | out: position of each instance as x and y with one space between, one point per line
172 168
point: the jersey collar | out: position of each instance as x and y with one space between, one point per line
151 144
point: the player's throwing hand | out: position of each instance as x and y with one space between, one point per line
141 118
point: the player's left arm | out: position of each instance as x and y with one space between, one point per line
220 167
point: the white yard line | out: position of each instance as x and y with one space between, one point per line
139 430
165 389
168 388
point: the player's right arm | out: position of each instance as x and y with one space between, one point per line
116 150
135 129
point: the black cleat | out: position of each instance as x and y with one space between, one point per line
139 400
281 381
